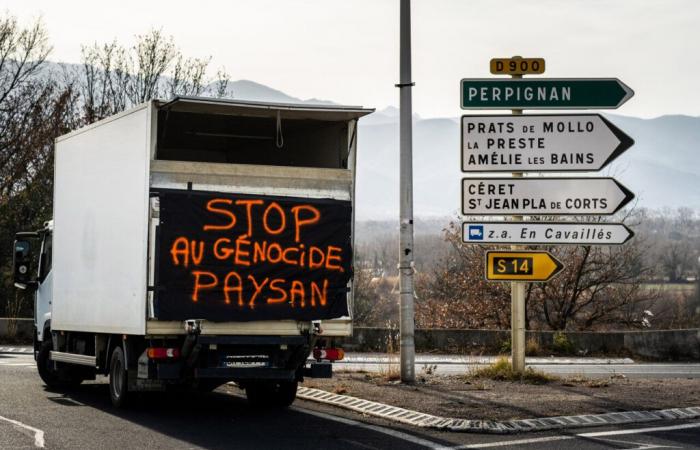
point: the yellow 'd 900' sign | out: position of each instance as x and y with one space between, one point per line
521 266
517 66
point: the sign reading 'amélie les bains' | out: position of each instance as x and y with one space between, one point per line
544 93
540 142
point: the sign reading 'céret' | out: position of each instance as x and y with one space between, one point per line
543 196
539 142
240 257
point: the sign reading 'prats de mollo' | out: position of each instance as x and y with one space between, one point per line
229 257
540 142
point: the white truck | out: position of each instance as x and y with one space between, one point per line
195 242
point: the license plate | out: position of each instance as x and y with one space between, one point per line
245 361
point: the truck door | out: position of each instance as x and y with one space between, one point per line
42 307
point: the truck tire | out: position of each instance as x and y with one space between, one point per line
271 394
48 374
54 379
118 379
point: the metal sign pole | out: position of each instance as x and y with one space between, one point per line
406 202
517 294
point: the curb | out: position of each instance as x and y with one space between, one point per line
422 420
19 350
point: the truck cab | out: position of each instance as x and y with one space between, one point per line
195 242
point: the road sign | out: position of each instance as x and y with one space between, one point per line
517 66
540 142
521 266
548 233
543 196
543 93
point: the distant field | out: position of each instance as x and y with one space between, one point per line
671 287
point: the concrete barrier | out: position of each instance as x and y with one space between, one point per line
653 344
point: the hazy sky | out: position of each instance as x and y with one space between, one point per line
347 51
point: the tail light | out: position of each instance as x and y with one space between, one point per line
162 353
329 354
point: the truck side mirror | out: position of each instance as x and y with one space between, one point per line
22 265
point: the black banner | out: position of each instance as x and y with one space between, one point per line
231 257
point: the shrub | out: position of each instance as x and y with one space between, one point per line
505 346
502 370
562 344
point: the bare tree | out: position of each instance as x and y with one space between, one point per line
115 78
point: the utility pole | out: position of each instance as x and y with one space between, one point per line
408 350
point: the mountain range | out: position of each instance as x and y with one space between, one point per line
662 167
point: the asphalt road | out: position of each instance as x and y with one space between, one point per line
31 417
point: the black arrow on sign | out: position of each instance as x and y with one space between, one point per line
625 141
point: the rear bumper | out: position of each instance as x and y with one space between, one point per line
331 328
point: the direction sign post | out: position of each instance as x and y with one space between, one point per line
540 142
521 266
517 289
544 93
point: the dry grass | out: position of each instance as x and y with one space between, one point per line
532 347
390 372
502 370
340 389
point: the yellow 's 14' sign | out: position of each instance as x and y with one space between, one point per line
521 266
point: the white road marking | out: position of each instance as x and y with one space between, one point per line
393 433
588 435
38 434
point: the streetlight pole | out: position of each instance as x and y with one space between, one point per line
408 355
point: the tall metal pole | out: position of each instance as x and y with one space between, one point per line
408 355
517 296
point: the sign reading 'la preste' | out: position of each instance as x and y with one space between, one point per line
543 196
554 143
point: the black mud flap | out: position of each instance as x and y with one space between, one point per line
319 370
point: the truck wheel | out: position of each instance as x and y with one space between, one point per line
285 393
118 379
276 394
45 366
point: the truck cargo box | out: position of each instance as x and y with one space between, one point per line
237 213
